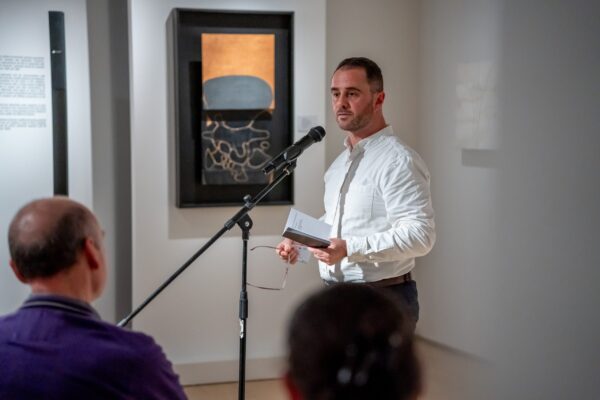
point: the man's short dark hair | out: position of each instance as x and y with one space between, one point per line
43 243
352 342
374 75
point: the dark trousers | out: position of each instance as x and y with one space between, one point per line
405 294
408 297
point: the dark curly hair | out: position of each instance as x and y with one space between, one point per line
350 342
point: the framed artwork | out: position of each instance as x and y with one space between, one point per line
233 104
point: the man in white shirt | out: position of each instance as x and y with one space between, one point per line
377 195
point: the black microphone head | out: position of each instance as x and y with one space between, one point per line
317 133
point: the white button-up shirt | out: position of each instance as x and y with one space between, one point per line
377 198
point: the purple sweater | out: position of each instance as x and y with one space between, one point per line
59 348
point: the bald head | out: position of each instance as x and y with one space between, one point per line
47 235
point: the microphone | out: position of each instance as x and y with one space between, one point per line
291 153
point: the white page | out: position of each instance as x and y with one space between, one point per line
307 224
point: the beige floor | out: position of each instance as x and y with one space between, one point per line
448 375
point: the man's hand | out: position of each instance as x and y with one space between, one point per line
287 251
332 254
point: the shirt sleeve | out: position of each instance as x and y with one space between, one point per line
404 188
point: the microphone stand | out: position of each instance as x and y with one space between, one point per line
243 220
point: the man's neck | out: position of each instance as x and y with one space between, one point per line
357 136
70 283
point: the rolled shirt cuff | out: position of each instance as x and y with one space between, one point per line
356 247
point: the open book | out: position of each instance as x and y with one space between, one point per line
307 230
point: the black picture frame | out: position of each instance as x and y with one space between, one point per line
224 135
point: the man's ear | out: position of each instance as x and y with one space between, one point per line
17 273
379 99
291 387
91 253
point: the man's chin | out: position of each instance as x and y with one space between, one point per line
344 125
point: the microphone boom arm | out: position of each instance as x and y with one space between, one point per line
249 204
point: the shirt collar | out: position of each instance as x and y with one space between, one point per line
369 140
67 304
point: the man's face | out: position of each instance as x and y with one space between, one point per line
352 99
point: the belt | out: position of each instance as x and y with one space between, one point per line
396 280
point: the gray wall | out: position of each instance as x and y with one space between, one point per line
514 275
386 31
459 46
547 265
389 33
109 88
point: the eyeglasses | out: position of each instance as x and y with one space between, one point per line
285 275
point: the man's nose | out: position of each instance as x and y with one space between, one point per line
341 102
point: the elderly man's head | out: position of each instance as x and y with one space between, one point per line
49 237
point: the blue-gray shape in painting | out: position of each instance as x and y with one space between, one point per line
234 151
237 92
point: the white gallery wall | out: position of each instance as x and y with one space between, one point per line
546 266
196 318
26 158
387 31
509 126
459 52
